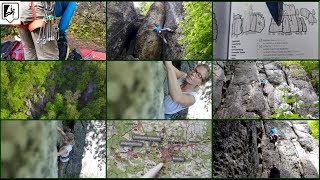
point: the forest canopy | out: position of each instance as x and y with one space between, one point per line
53 90
197 30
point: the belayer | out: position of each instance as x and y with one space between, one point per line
161 32
38 28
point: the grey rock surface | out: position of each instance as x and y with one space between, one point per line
148 45
135 90
242 95
28 149
243 149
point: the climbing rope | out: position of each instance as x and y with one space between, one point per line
124 28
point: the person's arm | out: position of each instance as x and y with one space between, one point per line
62 151
178 73
66 15
62 133
174 89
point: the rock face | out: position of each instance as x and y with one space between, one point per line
235 149
243 149
131 36
148 44
174 14
28 149
121 23
135 90
88 155
240 94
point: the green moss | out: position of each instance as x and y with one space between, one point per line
314 126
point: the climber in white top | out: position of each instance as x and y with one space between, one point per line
64 151
182 87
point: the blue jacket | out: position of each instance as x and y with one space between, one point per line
274 131
65 10
157 29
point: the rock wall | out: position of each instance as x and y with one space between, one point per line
131 36
148 44
121 23
135 89
243 149
239 94
174 14
28 149
88 154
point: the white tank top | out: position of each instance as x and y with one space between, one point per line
62 157
171 107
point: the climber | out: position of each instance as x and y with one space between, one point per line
263 82
161 32
274 172
68 143
273 135
65 10
182 87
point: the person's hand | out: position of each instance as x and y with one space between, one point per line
168 63
58 128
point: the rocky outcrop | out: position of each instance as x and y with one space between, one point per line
92 10
135 90
174 14
148 45
243 149
28 149
131 36
240 94
120 26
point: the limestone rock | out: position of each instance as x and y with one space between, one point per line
148 45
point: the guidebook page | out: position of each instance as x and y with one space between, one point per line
255 35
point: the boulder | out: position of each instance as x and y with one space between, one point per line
148 45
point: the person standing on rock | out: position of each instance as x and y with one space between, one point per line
161 32
182 87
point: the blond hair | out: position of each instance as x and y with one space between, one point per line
70 139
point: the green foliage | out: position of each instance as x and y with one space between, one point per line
62 83
314 126
145 6
197 30
289 109
308 66
88 29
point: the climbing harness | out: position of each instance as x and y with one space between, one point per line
49 29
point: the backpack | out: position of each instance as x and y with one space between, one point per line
12 50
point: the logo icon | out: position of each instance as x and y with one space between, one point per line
10 11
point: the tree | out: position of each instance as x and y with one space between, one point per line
197 30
